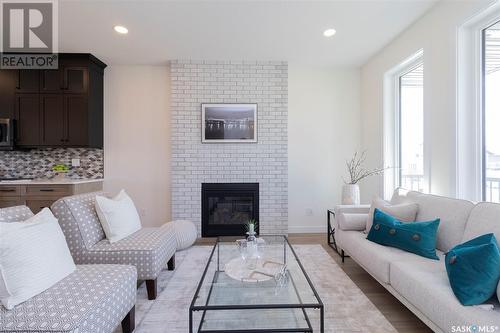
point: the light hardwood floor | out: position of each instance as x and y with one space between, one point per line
398 315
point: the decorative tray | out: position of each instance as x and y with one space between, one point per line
264 270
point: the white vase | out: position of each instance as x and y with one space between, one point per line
350 194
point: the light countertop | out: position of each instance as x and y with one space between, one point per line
63 181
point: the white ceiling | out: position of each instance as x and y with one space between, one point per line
234 30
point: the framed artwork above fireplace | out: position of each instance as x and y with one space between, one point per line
228 123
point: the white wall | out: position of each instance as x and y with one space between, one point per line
323 131
137 138
436 34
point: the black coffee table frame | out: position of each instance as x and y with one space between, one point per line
303 306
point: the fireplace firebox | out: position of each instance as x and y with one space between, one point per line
227 207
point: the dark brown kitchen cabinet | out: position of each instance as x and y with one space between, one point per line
28 120
52 113
56 108
8 82
75 79
28 81
68 79
77 128
51 81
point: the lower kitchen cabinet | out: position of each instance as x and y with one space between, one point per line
38 196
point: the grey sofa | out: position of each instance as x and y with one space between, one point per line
422 284
93 299
149 249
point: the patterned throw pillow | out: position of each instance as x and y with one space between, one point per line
417 237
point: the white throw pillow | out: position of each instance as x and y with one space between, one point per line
118 216
34 256
351 222
403 212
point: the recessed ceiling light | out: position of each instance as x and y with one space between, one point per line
329 32
121 29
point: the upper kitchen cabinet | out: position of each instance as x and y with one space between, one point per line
28 81
28 115
76 79
8 82
51 81
69 107
72 77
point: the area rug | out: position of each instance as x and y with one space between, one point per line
347 309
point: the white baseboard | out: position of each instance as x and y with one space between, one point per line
306 229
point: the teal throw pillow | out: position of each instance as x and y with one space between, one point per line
474 269
416 237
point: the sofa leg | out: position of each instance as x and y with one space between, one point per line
342 254
128 323
151 287
171 263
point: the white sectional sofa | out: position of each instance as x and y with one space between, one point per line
419 283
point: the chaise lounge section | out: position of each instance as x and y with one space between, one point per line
149 249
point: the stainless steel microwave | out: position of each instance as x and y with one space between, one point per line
6 134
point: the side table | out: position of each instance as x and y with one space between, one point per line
330 233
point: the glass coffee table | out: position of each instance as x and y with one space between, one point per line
281 303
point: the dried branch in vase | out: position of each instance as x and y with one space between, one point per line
356 170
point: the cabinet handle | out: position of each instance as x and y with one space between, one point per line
8 190
18 83
46 190
65 80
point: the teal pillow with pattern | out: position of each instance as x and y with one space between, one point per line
415 237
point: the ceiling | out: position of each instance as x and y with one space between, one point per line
160 31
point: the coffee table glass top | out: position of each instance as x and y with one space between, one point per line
275 302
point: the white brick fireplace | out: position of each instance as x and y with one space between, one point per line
264 162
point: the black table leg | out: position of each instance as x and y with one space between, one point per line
330 234
322 320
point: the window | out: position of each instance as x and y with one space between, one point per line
411 129
405 150
491 113
478 107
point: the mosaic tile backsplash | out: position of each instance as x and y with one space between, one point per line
38 163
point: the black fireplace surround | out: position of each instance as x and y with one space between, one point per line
227 207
